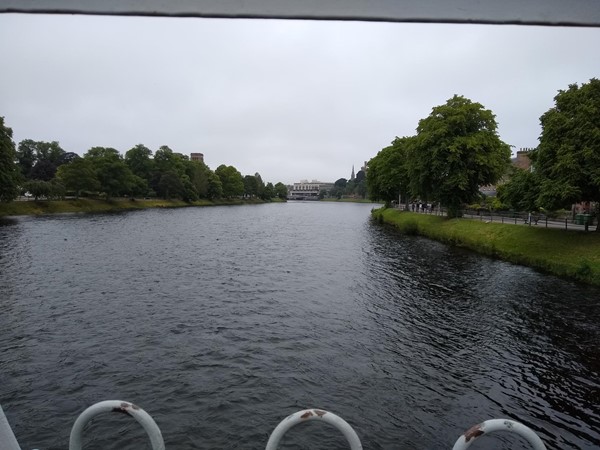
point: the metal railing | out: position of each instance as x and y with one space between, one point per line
581 222
9 442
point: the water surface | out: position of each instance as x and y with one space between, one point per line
222 321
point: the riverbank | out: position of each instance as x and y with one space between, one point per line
568 254
90 205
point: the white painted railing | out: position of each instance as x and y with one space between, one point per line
9 442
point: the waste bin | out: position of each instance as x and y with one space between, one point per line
579 219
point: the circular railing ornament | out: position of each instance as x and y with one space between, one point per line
313 414
141 416
494 425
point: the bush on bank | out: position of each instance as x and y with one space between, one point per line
569 254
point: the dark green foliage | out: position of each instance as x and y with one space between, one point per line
9 172
521 192
456 150
388 176
281 190
231 181
567 159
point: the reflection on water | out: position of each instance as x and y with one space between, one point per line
222 321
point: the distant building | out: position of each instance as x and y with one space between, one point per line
308 190
352 176
197 157
522 160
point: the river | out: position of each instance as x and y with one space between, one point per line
221 321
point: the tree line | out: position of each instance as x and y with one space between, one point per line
44 169
457 150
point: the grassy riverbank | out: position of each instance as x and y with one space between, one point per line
89 205
569 254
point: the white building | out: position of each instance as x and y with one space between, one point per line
308 190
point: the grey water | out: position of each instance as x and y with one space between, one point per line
222 321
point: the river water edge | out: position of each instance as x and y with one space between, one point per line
222 321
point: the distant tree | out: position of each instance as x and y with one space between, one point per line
38 188
114 175
39 159
198 174
215 187
170 185
9 171
361 188
78 176
281 190
360 176
567 159
521 192
260 187
139 161
388 172
26 156
341 183
231 180
268 192
456 150
250 186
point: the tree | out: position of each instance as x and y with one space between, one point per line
341 183
281 190
78 176
388 176
170 185
231 180
139 161
521 192
250 186
268 192
9 171
114 175
215 187
38 188
456 150
39 159
567 158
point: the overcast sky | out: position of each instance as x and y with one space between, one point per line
291 100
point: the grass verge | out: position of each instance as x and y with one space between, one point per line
570 254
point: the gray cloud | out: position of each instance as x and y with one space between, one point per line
288 99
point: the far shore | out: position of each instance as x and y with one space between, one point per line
92 205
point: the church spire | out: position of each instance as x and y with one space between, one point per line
352 175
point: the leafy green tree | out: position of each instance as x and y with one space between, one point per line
281 190
215 187
198 174
260 187
170 185
567 158
456 150
341 183
78 176
9 171
26 156
140 162
388 174
39 159
521 192
38 188
268 192
114 175
250 186
231 180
